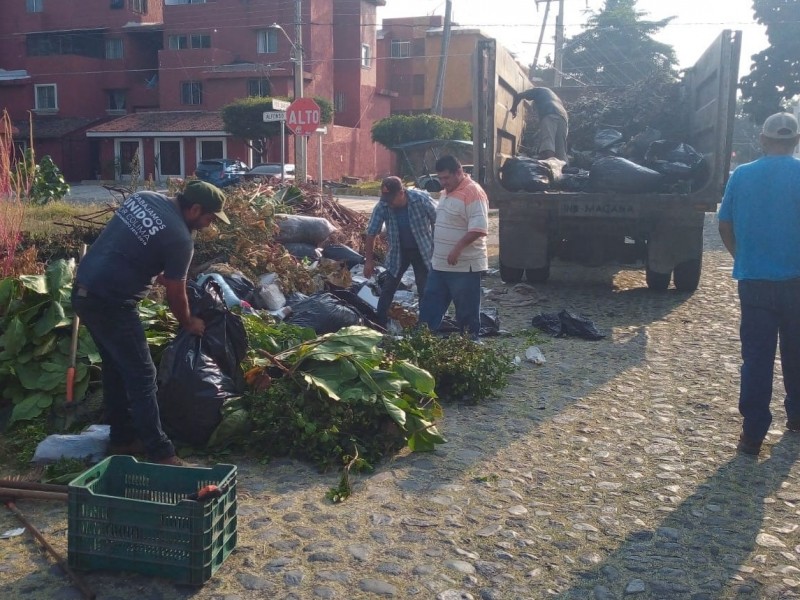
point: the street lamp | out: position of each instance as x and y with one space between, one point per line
297 60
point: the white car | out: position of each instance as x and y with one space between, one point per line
270 173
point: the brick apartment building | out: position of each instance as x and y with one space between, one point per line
107 80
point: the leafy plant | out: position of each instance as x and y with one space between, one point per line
48 182
35 318
20 441
463 370
399 129
336 396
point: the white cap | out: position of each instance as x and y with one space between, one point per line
780 126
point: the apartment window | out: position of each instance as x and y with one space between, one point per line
83 43
117 4
178 42
114 48
34 6
400 49
200 40
418 85
211 148
258 88
267 41
139 6
117 99
191 92
338 102
366 56
46 97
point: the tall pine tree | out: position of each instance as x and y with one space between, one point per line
616 48
775 74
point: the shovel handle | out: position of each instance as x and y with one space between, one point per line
70 384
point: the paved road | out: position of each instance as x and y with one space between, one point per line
609 473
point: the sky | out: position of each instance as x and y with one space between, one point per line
517 23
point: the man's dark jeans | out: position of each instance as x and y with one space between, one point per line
463 289
769 312
390 284
129 375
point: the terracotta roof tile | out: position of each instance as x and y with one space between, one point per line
163 121
49 127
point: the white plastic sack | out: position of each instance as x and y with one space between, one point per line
90 445
268 294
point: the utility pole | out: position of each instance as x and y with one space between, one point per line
300 154
541 33
558 53
438 95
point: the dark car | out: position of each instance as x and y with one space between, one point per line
222 172
430 182
270 173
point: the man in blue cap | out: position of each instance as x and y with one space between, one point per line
149 236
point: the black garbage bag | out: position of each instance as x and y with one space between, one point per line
324 313
617 174
241 285
523 174
198 374
576 180
677 161
490 322
352 299
343 254
608 140
567 324
293 298
300 250
640 143
303 229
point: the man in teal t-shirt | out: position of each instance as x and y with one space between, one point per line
759 222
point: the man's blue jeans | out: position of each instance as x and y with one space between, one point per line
390 284
463 290
129 375
769 312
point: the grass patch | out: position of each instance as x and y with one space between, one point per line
41 220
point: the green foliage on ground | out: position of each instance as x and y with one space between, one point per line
399 129
338 396
47 181
774 78
463 370
36 318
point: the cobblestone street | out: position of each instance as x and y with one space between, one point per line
609 472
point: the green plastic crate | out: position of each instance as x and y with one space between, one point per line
130 516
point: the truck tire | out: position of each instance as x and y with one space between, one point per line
657 281
687 275
540 275
511 275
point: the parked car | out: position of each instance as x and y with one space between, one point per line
222 172
270 173
430 181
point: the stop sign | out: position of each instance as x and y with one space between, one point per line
302 116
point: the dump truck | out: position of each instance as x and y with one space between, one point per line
661 231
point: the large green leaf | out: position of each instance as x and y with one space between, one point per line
8 287
46 345
53 317
36 283
397 413
41 376
59 278
416 376
14 337
425 436
31 407
327 386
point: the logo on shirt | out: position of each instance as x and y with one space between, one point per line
140 218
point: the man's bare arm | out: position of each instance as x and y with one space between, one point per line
728 237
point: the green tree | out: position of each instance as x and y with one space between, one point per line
774 76
244 119
616 48
399 129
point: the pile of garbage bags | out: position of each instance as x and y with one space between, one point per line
645 163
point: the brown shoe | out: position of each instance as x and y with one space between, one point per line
748 446
129 448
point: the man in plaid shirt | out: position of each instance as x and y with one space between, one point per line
409 216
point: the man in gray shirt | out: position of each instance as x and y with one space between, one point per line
553 121
149 236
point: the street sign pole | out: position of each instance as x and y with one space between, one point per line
283 150
279 114
320 132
